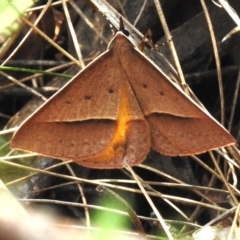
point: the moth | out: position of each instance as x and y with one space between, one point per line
117 108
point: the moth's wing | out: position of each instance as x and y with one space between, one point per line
178 125
82 122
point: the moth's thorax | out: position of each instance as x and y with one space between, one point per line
121 47
119 42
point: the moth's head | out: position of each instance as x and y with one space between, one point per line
121 38
121 27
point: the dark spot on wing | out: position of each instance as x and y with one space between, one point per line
87 97
110 90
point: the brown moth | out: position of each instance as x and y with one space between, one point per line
117 108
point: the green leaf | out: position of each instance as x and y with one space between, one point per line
10 10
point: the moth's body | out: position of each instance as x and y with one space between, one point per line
111 114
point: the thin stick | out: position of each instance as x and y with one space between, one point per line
216 55
158 215
171 45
